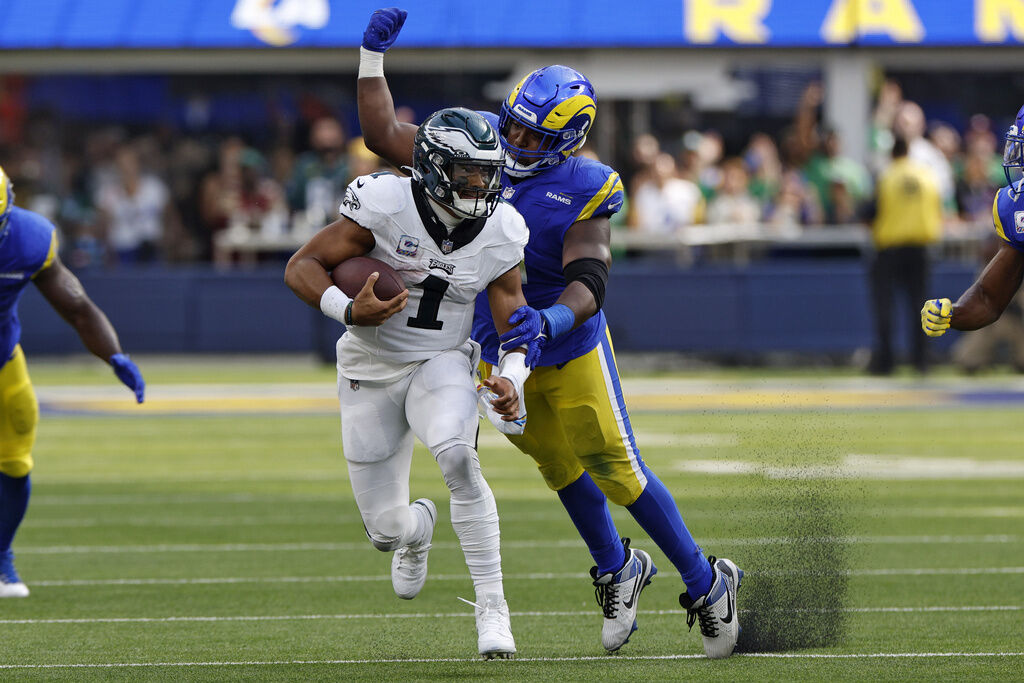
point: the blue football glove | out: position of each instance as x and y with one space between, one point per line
528 331
383 29
128 373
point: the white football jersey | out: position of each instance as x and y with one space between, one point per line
443 273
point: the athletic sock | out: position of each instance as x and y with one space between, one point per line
657 513
588 510
14 495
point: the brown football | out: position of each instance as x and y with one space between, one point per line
350 276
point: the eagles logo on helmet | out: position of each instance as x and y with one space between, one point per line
557 104
458 160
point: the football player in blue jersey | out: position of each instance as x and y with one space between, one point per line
988 297
577 428
28 253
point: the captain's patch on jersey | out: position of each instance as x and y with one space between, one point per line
1018 221
407 246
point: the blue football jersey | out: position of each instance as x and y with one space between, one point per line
29 245
1008 215
551 201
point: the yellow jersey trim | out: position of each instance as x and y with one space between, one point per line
995 217
50 255
612 185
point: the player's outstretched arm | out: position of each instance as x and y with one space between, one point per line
988 297
383 133
67 296
308 275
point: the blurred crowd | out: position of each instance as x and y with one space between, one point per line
802 177
161 195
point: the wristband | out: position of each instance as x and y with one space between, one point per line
559 318
335 304
371 64
512 366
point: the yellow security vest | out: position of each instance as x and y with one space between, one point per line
909 206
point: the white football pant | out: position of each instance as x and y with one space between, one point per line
436 403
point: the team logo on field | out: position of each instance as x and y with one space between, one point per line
446 267
407 246
1018 221
508 193
351 200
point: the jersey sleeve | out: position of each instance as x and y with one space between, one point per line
1008 217
370 199
509 252
45 249
606 193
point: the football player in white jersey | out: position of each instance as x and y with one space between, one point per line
406 366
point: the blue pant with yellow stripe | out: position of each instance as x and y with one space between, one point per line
577 424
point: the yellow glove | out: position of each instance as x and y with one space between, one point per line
935 316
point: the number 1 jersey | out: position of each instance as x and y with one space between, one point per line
443 271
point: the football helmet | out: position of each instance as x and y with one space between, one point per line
6 201
1013 152
557 104
457 160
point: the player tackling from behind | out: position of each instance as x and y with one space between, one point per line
406 366
578 430
988 297
28 253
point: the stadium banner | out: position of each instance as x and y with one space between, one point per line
113 24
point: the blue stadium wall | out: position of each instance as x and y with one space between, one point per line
817 306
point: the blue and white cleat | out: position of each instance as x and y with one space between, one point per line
409 564
716 611
11 585
618 594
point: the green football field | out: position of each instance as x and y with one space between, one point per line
211 535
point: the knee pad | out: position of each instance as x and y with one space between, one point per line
389 530
23 410
460 466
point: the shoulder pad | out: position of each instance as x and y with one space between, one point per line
382 192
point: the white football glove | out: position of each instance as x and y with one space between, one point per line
935 316
513 428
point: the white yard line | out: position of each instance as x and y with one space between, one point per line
564 543
227 580
460 615
492 667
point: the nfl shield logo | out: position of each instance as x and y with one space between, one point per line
1018 221
507 193
447 246
407 246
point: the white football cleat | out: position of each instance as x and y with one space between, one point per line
511 428
493 628
716 611
409 564
618 595
11 585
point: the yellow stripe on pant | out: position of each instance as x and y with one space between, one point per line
576 420
20 416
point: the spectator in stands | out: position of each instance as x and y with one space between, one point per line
219 192
321 175
733 203
662 202
762 159
974 191
135 212
910 125
796 204
908 219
